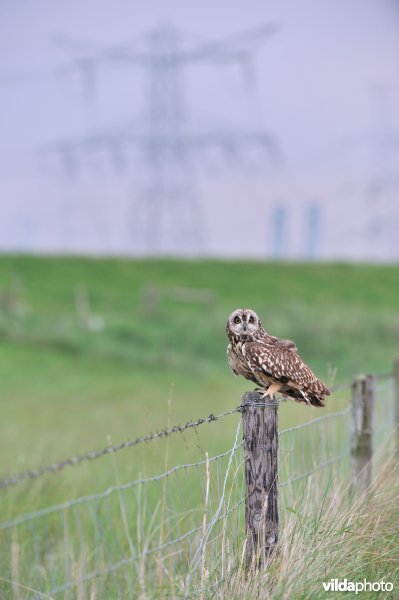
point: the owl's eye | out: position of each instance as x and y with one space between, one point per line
237 320
250 320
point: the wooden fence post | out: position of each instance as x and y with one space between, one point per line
260 428
362 414
396 392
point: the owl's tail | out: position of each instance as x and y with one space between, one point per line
306 398
316 400
314 396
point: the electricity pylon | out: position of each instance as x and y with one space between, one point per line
166 215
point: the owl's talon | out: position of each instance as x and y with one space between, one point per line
271 390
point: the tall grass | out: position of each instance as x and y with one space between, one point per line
325 533
325 536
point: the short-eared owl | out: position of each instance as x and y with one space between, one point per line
273 364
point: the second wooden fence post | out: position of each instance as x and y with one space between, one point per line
260 427
362 414
396 392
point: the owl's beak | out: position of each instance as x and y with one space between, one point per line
244 326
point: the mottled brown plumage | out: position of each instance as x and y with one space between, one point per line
272 363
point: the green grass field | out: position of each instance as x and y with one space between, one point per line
100 350
66 388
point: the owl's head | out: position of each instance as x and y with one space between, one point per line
243 321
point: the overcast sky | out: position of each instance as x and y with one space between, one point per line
329 74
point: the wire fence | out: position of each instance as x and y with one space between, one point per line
112 448
172 531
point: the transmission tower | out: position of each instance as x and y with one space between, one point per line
166 216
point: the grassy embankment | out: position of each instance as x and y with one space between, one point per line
74 374
66 388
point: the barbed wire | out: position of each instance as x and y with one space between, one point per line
163 433
58 466
143 481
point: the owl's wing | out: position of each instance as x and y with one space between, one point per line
280 364
288 344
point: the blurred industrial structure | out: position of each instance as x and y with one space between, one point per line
172 147
165 214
